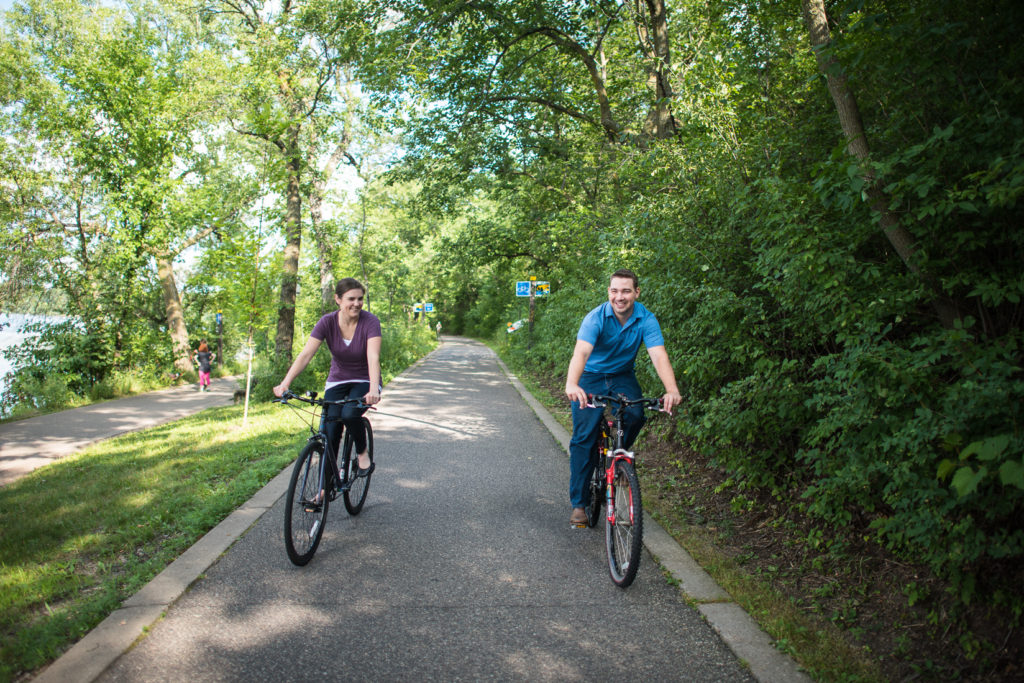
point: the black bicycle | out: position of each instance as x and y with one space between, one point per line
318 477
614 484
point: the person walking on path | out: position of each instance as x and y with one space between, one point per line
353 337
603 363
204 359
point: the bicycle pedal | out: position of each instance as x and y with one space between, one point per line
578 525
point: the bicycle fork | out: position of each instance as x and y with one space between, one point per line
609 490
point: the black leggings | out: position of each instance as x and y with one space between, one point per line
351 416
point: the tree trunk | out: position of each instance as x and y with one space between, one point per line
174 314
573 48
660 123
325 259
316 196
290 267
359 248
857 146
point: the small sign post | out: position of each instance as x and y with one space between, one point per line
220 337
533 292
532 288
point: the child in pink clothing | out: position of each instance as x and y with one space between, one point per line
204 359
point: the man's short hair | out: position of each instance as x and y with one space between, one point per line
627 274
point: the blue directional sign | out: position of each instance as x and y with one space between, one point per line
523 288
428 307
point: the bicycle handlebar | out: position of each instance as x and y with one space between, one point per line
313 400
600 401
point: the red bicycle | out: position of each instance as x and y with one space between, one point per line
615 485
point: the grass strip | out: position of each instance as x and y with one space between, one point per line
86 532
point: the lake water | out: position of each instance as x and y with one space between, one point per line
11 335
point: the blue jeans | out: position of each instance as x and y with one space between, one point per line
586 424
351 416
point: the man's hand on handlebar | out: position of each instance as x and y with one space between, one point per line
670 400
577 395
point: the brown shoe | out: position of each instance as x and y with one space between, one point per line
578 517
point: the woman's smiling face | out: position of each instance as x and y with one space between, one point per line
351 302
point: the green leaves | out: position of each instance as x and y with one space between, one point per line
967 476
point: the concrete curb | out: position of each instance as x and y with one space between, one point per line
736 628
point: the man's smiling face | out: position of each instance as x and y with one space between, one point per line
622 295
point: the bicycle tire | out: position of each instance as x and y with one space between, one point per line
355 494
304 515
596 487
624 537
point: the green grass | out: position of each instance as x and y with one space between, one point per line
83 534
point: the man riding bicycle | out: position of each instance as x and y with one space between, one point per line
603 363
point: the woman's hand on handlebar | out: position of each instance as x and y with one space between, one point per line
372 397
280 390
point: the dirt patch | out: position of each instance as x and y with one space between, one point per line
852 584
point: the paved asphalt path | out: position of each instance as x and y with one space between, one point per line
461 566
37 441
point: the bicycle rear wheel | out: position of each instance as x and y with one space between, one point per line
305 512
597 484
355 494
624 536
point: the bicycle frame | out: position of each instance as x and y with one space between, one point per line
612 426
331 459
319 435
612 431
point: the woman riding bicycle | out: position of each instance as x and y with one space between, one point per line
353 337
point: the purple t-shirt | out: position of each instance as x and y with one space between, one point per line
348 361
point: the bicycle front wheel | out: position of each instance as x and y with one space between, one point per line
355 494
623 534
305 512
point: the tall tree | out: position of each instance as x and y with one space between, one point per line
903 242
288 56
123 105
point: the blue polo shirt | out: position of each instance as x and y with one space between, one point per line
615 345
